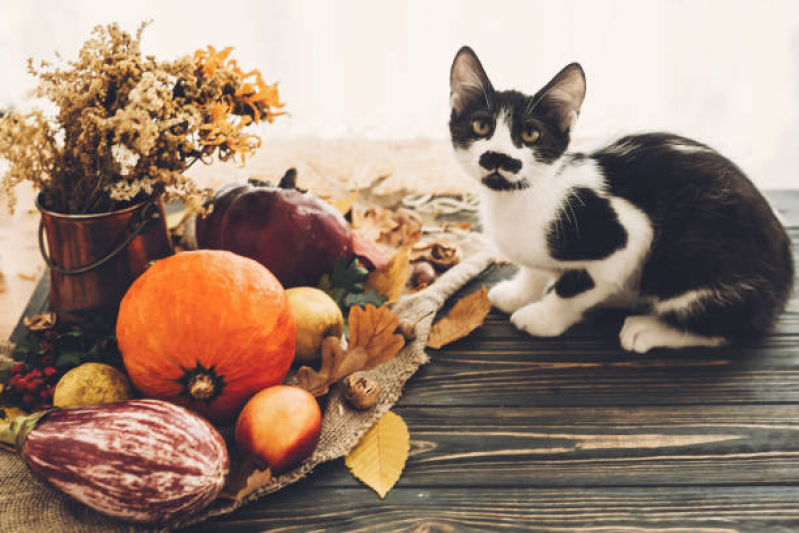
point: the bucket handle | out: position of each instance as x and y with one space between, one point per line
147 215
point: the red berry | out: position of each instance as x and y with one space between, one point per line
35 385
49 371
46 394
48 360
36 373
16 368
28 399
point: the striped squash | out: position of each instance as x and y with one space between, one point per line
145 461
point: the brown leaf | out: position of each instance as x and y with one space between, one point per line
465 316
244 479
372 342
373 329
391 280
390 229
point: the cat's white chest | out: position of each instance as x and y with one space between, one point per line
517 223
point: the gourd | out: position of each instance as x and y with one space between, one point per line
146 461
297 236
206 329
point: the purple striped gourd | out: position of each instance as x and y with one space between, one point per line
146 461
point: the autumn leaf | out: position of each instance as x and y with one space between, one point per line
389 229
465 316
379 459
390 281
373 341
344 205
245 479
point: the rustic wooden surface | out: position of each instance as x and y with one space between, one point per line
512 433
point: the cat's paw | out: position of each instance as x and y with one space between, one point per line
540 320
642 333
507 296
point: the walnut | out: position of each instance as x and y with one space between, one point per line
441 254
360 391
423 274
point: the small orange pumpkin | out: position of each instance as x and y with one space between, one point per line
206 329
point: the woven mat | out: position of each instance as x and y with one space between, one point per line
27 504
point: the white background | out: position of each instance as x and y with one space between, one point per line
723 71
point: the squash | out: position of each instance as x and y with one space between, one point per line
297 236
143 461
206 329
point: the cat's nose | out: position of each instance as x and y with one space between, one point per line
498 160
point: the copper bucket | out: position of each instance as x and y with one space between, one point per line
93 259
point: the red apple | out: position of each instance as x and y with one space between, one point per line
279 425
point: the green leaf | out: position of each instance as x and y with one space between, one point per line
5 372
69 358
347 278
369 297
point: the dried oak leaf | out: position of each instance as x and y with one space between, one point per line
391 280
465 316
372 343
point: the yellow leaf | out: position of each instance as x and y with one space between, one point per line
8 414
465 316
390 281
344 205
378 460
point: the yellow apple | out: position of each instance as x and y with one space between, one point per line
317 316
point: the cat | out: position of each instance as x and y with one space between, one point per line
658 223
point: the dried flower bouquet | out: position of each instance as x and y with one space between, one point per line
128 126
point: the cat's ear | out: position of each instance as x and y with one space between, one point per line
563 96
467 80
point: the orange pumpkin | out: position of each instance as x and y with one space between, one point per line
206 329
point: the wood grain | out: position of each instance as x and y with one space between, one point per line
474 509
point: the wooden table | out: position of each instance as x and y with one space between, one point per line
513 433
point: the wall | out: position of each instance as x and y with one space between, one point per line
723 71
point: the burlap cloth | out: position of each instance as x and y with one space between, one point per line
28 504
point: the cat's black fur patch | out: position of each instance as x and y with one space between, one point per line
573 282
498 160
586 228
712 230
495 181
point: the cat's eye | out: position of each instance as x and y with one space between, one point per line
530 134
481 127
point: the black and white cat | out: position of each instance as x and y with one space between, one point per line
657 222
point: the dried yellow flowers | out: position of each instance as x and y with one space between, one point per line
128 126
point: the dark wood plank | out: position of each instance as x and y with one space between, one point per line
593 447
593 372
469 509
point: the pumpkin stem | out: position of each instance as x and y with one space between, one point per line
202 386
